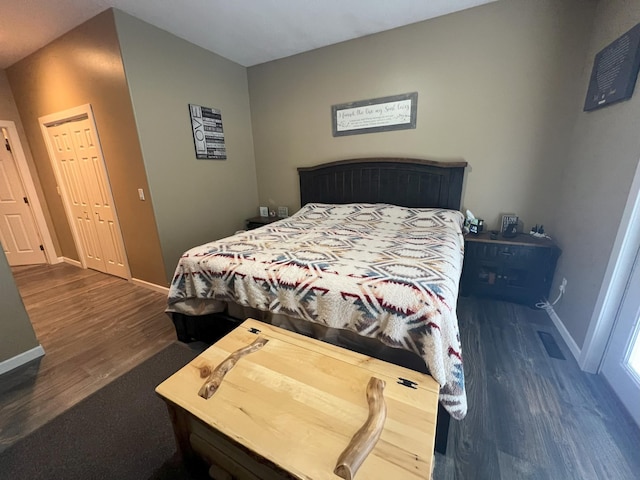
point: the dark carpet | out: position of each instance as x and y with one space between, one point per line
121 432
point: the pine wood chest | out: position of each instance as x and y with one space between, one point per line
291 407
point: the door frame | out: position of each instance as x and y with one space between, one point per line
22 165
625 247
76 113
615 367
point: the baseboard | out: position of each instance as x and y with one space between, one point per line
70 261
564 333
136 281
151 286
21 359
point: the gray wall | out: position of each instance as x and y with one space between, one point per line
496 86
16 332
195 201
604 153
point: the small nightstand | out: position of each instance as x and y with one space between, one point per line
518 269
255 222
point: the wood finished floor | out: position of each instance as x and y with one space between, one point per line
93 327
532 416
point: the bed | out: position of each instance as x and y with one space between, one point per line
372 262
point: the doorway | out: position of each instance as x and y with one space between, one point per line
612 337
621 362
74 150
24 234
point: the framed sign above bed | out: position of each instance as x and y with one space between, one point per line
397 112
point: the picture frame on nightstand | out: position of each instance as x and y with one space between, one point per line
264 211
508 219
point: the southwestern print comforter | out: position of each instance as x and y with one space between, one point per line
381 271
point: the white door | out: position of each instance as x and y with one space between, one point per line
77 196
97 184
80 165
621 363
18 232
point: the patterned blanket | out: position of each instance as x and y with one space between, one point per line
381 271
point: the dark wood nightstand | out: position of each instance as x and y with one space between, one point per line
518 269
255 222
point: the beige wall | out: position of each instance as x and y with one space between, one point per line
195 201
605 149
8 109
496 87
84 66
16 332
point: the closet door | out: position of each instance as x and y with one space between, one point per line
76 196
86 190
97 186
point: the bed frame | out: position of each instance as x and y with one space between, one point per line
407 182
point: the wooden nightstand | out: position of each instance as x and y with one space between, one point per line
518 269
255 222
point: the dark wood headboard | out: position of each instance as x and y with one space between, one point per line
407 182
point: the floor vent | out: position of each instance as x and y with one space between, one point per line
550 345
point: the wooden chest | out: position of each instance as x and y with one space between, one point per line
291 407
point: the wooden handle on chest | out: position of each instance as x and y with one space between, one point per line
215 378
366 438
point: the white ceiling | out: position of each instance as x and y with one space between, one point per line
248 32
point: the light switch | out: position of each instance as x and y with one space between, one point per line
141 194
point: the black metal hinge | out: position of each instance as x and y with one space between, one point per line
254 330
26 200
6 144
42 248
407 383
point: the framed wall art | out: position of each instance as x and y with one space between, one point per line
614 72
208 135
397 112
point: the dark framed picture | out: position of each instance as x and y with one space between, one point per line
397 112
614 72
508 219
